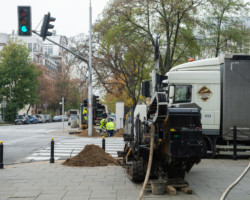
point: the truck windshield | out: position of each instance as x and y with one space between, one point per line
183 94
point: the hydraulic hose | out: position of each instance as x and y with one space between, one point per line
234 183
149 161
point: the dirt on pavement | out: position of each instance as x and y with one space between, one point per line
84 133
119 133
91 156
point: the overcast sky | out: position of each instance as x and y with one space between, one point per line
72 16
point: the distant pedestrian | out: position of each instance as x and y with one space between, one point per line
110 127
102 123
84 113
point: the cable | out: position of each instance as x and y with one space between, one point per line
149 162
234 183
39 24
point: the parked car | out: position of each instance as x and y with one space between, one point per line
41 118
48 118
22 119
57 118
33 119
65 118
72 117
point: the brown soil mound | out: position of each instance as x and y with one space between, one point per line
119 133
84 133
91 156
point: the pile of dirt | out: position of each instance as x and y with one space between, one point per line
84 133
119 133
91 156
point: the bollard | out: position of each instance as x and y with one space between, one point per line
103 143
235 143
1 154
52 160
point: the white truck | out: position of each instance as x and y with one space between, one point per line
221 88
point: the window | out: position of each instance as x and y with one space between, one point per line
30 46
183 94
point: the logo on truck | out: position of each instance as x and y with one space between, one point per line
204 93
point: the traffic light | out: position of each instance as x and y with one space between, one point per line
85 102
95 101
24 20
46 26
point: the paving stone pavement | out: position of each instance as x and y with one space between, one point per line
45 181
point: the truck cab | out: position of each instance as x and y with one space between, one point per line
220 87
202 88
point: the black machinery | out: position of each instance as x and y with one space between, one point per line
177 136
177 141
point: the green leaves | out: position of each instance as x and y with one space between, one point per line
18 77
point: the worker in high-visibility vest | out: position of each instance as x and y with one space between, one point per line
84 113
102 123
110 127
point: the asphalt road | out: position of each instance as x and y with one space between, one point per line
21 140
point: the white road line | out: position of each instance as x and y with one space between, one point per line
66 148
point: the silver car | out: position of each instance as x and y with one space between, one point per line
41 118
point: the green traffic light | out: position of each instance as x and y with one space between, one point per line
24 29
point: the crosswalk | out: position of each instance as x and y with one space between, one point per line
6 130
68 148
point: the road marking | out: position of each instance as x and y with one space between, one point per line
27 130
66 148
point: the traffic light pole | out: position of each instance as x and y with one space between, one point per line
90 108
67 49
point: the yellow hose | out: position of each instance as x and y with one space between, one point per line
149 161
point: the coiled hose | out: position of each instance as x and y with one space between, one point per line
235 182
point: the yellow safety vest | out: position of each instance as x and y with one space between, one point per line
84 113
110 126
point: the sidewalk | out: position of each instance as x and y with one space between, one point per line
45 181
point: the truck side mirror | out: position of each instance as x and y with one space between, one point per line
171 94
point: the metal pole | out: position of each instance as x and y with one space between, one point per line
52 159
1 154
90 114
103 143
235 143
63 112
75 54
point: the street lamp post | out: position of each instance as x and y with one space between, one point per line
90 111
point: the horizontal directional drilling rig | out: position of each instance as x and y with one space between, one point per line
177 137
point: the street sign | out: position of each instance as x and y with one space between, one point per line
4 104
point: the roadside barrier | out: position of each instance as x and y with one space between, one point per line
52 159
1 155
103 143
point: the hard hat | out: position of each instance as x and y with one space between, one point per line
190 59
